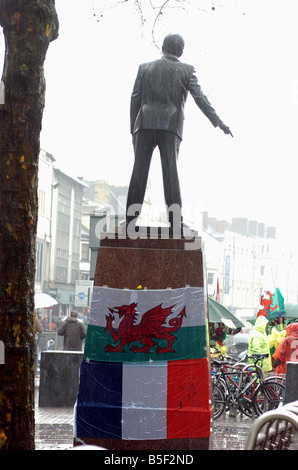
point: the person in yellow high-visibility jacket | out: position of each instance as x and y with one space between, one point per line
258 342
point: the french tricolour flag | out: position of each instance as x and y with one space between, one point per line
145 371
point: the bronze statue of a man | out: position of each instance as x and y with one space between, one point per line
156 117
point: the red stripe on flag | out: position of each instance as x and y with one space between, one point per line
188 408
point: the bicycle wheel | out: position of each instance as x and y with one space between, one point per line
245 404
268 396
218 401
245 400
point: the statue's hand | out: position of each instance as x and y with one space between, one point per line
225 129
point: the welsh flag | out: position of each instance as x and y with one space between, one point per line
272 305
145 371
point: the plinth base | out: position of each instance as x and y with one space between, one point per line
201 443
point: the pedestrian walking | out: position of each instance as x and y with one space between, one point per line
258 342
287 350
73 331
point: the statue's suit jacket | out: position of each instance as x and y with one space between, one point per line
159 95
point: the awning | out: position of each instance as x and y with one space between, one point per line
219 314
43 300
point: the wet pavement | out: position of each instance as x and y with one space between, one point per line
53 426
54 430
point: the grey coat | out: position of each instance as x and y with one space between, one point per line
159 95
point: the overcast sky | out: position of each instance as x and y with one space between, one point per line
245 55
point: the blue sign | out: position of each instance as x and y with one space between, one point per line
227 274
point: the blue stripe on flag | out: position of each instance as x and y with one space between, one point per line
99 402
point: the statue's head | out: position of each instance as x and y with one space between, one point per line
173 44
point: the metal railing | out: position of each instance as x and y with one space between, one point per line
274 430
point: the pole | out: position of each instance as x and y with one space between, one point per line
277 301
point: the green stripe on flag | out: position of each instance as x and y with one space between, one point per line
189 343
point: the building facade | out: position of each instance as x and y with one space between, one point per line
245 259
67 197
58 251
44 225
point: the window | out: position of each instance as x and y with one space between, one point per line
85 252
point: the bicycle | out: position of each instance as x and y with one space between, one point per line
243 387
222 388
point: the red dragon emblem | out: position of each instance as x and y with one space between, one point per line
152 325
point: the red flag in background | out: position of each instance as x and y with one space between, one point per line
217 297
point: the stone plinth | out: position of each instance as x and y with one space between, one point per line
153 263
59 378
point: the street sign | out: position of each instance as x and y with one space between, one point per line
83 293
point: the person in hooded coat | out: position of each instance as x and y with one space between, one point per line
258 342
287 350
73 331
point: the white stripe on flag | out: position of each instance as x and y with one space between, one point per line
192 298
144 401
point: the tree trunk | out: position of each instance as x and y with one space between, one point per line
29 26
